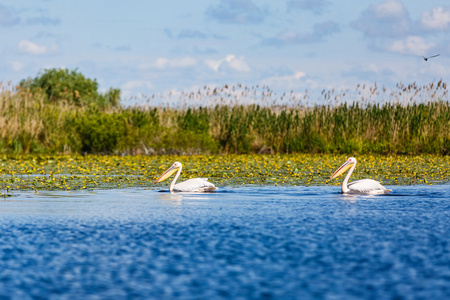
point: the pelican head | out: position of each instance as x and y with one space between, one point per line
347 165
175 167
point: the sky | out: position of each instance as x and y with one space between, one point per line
155 47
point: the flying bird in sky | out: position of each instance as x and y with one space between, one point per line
426 58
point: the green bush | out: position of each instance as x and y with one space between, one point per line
71 86
100 133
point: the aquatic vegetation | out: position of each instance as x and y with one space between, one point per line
269 140
47 172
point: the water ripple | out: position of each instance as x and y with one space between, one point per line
248 243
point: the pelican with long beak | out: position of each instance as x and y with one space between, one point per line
191 185
363 186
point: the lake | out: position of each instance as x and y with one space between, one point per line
238 243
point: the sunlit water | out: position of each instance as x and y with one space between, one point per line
238 243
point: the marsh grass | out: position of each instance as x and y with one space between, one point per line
233 120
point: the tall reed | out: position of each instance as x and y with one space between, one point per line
233 119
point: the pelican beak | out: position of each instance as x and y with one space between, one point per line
347 165
167 173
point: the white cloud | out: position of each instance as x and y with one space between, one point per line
17 66
233 62
321 30
437 69
389 9
237 64
161 63
135 87
387 19
411 45
133 84
186 62
437 19
374 68
213 64
164 63
287 81
288 36
316 6
28 47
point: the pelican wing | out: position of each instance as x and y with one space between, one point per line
195 185
367 186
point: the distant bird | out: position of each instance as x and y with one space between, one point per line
426 58
363 186
191 185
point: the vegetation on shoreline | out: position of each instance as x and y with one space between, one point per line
30 124
61 112
31 172
54 130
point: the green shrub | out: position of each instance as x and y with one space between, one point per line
71 86
99 133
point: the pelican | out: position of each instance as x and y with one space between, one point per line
363 186
191 185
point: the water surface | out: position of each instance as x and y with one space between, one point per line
248 243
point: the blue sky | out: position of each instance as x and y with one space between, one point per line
151 47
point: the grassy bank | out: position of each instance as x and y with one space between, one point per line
29 124
27 172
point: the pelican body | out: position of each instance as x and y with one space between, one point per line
363 186
191 185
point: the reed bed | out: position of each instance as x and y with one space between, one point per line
233 120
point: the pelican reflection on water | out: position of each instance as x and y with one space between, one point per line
191 185
363 186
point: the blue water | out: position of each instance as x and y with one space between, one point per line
238 243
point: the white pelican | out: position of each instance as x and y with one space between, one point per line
363 186
191 185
